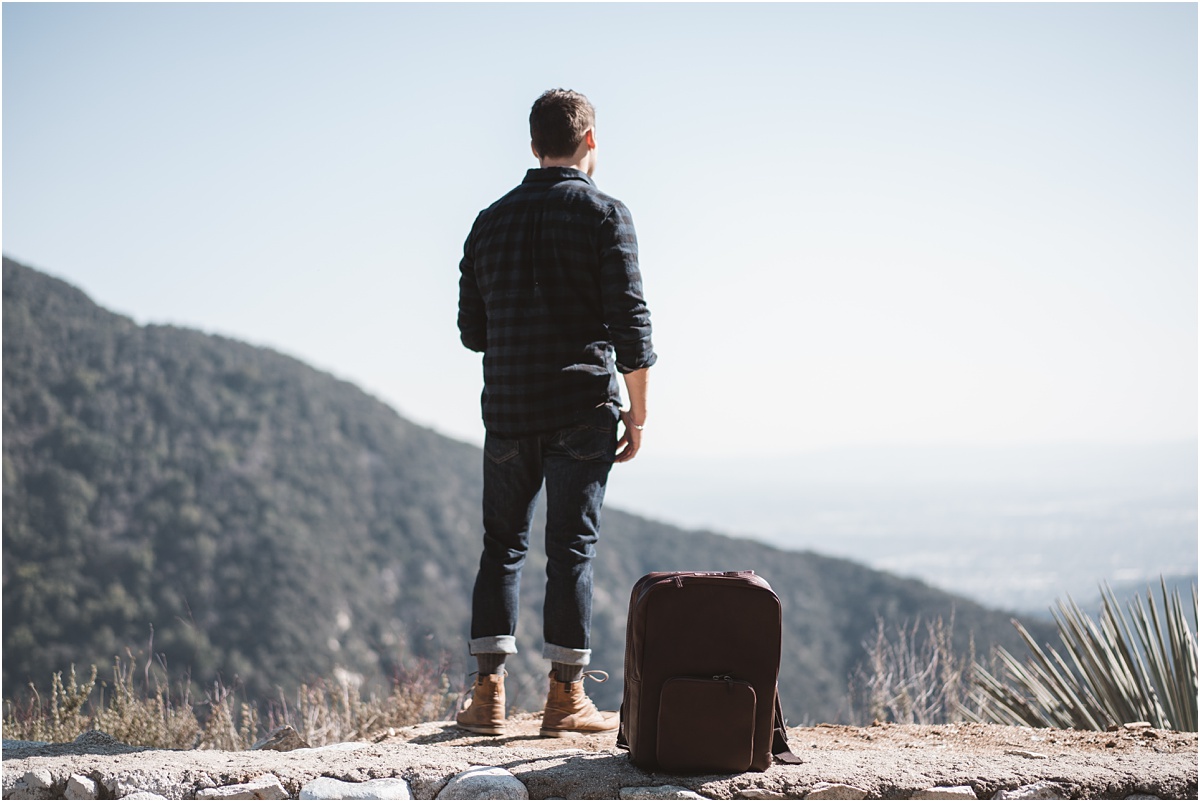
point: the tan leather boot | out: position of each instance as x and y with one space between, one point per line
484 712
569 710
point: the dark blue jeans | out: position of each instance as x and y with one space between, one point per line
574 462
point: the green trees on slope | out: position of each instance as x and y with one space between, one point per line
238 502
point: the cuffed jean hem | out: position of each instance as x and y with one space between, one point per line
493 644
570 657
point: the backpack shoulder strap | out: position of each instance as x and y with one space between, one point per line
622 741
779 744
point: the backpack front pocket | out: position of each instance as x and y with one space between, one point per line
706 724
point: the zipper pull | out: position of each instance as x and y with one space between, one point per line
678 581
727 679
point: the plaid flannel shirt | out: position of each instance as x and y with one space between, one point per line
550 292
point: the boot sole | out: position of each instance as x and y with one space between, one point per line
545 733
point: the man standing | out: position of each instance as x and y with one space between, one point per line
551 294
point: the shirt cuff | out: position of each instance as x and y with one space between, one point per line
646 360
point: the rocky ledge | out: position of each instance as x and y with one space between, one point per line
438 761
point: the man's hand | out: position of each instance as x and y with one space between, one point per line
634 418
631 439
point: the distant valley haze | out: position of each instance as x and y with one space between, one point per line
1013 527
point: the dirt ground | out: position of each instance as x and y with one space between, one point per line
954 738
884 761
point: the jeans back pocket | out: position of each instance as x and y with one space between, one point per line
500 449
595 438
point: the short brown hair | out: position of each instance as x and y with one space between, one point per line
558 121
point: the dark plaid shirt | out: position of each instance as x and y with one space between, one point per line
550 292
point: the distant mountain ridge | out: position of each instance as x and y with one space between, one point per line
271 523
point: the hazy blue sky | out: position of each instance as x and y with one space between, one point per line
860 224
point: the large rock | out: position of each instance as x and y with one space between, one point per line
484 782
329 788
1039 790
659 792
947 792
80 787
161 780
835 791
35 784
265 787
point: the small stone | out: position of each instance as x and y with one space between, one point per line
1138 725
758 793
282 739
143 795
835 791
329 788
1038 790
80 787
1025 753
265 787
947 792
659 792
484 782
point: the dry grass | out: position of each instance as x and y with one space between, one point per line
333 711
1133 665
914 676
147 713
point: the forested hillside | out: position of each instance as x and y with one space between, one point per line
269 523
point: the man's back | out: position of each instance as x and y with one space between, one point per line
549 290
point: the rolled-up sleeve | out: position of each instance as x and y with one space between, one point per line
625 311
472 314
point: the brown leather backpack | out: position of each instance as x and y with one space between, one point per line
701 670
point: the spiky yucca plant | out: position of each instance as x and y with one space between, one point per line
1116 671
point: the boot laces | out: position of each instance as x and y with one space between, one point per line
467 697
503 672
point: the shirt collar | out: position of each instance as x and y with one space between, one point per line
549 174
